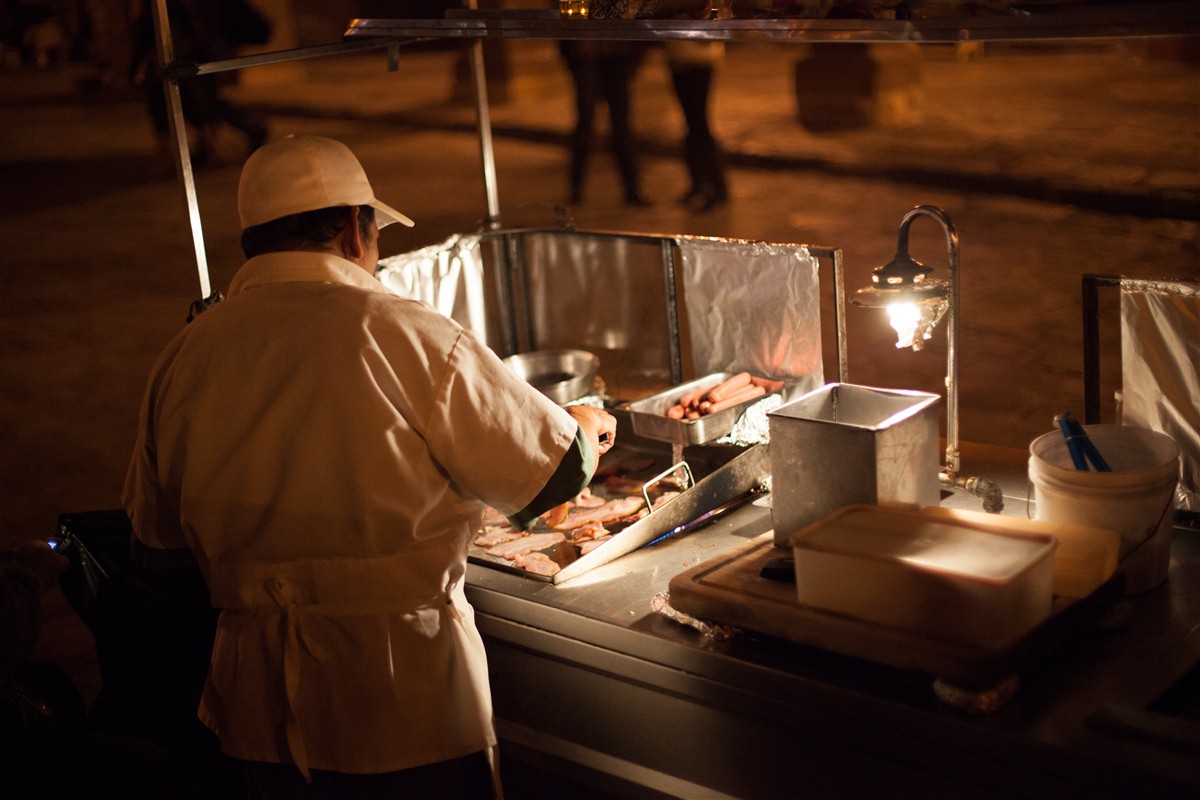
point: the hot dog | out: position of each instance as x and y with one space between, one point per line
728 387
767 383
728 393
748 392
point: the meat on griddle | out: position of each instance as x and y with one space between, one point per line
525 544
612 511
537 563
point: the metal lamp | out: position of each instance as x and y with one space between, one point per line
916 303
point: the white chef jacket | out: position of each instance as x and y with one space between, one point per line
324 448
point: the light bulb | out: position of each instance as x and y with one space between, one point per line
905 317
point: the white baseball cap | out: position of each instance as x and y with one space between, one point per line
303 173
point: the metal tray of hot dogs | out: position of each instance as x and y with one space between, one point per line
684 495
650 415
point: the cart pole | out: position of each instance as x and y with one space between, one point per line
183 162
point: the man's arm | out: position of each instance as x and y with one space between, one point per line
578 464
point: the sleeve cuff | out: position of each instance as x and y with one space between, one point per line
574 472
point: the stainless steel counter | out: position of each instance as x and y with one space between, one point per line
588 679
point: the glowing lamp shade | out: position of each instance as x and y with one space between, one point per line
916 303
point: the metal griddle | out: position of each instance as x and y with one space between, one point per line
724 477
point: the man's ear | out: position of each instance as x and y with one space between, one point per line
351 238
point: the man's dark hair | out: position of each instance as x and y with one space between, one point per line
308 230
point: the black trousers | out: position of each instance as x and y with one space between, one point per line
465 778
701 152
602 79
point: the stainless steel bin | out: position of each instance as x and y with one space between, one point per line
845 444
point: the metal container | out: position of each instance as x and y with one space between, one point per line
561 375
845 444
650 418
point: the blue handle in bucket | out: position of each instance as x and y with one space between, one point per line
1079 445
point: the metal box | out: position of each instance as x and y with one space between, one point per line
845 444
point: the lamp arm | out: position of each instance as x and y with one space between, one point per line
953 455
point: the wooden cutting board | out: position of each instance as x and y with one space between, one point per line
728 589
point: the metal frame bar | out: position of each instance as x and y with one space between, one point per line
674 339
165 46
1090 286
180 70
1117 20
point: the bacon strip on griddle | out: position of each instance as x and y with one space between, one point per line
628 464
525 544
586 499
663 498
495 534
619 484
589 546
556 514
588 530
611 511
537 563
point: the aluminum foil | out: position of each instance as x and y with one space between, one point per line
1160 369
752 427
755 307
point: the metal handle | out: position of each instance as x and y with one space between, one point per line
646 486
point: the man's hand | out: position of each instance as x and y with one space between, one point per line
599 426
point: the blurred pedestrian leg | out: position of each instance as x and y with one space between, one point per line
603 71
693 68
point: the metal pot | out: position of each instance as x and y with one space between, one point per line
561 375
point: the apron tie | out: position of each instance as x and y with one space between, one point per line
283 594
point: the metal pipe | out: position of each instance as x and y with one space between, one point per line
988 490
484 122
952 450
178 126
674 339
189 70
839 315
1090 287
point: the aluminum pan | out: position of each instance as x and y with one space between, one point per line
649 415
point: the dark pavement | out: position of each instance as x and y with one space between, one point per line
1053 161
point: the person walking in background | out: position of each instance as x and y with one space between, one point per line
693 66
201 31
603 71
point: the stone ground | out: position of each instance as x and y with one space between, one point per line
1053 161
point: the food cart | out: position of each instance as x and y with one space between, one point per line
601 676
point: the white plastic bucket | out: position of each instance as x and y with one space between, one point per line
1136 499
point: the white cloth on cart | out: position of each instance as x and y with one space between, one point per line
447 276
1160 369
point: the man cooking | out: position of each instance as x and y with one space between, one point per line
324 449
